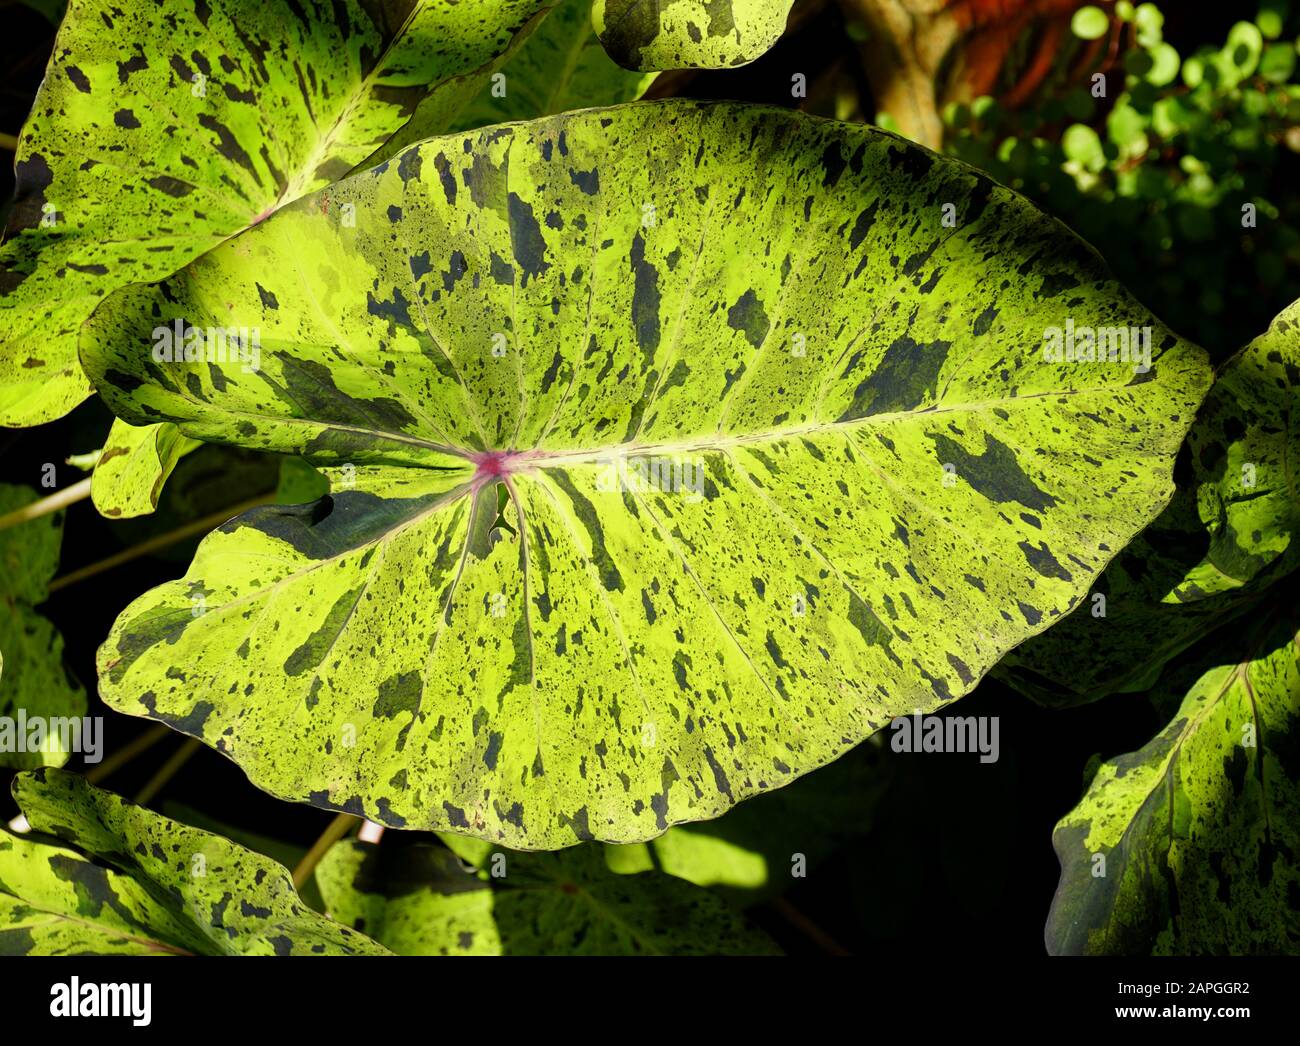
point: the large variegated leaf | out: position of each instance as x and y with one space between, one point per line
783 455
34 682
688 34
1228 535
133 466
183 123
417 900
130 882
1189 846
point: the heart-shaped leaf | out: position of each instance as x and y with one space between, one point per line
34 683
182 124
417 900
688 34
1228 535
136 883
1188 845
783 452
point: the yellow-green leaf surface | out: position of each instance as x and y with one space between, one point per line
782 459
688 34
1228 535
162 129
33 678
1196 835
134 465
559 66
107 877
417 900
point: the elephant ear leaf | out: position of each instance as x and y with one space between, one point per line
623 530
418 900
124 880
1229 534
227 110
35 686
134 465
688 34
1187 846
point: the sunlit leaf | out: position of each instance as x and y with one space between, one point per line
755 510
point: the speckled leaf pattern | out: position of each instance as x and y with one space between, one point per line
186 122
783 455
688 34
33 677
415 900
418 901
133 466
1228 535
123 880
560 66
1199 830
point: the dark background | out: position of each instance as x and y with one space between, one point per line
959 858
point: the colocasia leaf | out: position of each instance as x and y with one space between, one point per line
559 66
35 686
1192 844
417 900
783 455
130 882
688 34
139 156
1228 535
134 465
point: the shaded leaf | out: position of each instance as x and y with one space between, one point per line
129 881
415 900
749 853
1226 537
688 34
299 483
418 900
34 683
1199 830
226 110
751 522
134 465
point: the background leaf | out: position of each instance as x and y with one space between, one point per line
226 111
33 677
142 884
688 34
419 901
1200 829
134 465
1227 536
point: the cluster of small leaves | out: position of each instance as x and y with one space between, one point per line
1181 174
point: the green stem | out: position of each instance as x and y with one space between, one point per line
161 541
79 491
125 754
9 142
167 771
338 828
